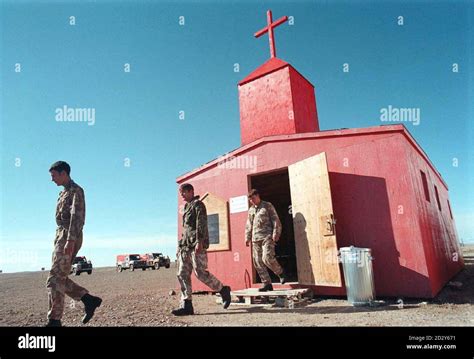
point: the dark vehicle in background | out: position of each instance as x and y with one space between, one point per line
156 260
130 261
81 264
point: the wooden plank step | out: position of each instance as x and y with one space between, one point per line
288 298
253 292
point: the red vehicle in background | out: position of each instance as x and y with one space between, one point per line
130 261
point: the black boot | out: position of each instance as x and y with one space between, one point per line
266 288
186 309
54 323
282 277
91 303
225 295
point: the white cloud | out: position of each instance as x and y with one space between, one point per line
30 253
129 242
465 227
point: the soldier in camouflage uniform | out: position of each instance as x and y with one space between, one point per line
70 217
263 229
192 252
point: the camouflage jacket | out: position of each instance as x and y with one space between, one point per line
194 225
71 210
262 222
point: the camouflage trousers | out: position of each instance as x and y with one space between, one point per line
188 260
263 253
58 283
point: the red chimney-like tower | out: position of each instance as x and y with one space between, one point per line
275 99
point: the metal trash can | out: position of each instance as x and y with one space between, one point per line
358 275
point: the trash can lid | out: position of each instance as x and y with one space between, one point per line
354 249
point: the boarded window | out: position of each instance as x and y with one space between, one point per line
213 228
449 207
217 222
437 197
425 186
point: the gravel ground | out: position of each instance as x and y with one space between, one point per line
142 298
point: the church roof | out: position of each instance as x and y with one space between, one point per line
271 65
311 135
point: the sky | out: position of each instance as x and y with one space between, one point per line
175 107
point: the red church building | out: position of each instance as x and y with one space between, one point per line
367 187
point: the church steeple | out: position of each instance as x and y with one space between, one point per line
275 99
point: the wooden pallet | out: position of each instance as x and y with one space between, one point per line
288 298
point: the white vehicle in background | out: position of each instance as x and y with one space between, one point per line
81 264
130 261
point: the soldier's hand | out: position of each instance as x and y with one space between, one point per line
247 243
69 248
197 248
276 239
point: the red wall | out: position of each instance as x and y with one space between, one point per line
265 105
304 103
376 204
281 102
437 227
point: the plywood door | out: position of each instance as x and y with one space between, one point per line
313 220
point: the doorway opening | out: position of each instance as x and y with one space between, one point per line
274 187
